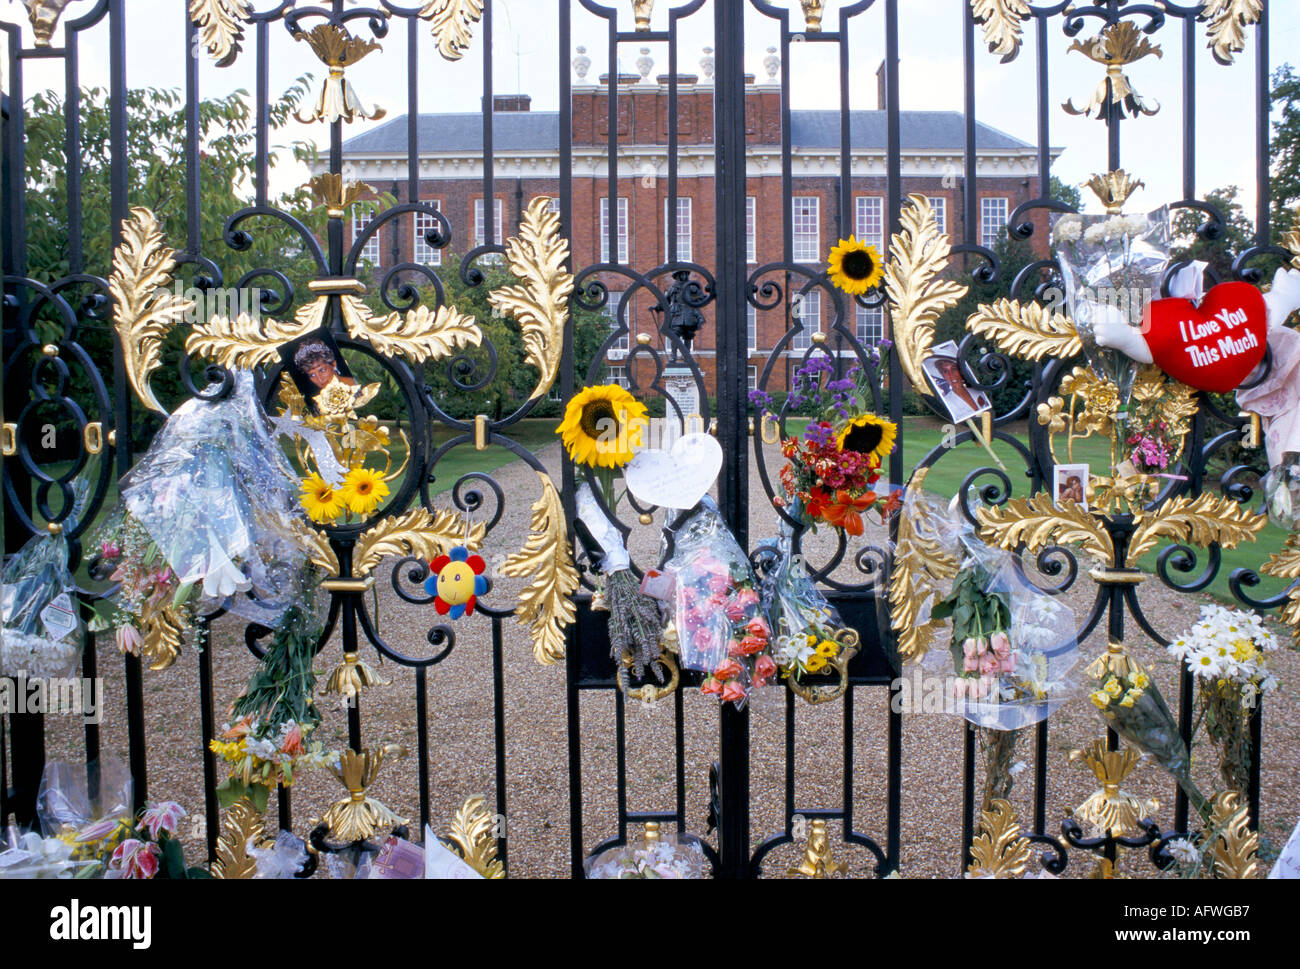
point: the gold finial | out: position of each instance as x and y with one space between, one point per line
1111 809
357 817
1114 189
818 862
1117 45
329 189
641 10
812 15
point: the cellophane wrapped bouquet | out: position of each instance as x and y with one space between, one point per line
1228 653
718 613
666 856
808 636
210 519
42 633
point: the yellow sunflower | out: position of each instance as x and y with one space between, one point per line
856 267
322 502
868 434
363 490
602 425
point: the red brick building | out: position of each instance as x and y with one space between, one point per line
526 149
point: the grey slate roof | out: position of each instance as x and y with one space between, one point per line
540 131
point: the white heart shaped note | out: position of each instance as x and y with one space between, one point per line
676 478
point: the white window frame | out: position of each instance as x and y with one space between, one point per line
869 220
806 210
939 203
621 346
480 224
993 219
685 231
751 229
371 251
810 315
867 321
753 379
622 230
618 375
751 325
421 251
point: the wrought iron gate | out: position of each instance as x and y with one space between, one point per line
601 128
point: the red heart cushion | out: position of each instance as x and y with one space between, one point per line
1214 346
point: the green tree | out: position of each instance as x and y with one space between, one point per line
1238 233
1065 192
1284 183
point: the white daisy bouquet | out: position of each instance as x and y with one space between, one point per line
1228 653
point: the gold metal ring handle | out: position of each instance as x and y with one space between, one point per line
9 440
650 693
825 693
694 424
92 435
769 424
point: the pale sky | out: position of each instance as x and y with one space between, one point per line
526 57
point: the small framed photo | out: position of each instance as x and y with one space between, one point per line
1070 481
944 371
314 362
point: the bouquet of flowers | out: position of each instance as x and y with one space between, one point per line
831 472
104 838
210 513
1228 654
1150 449
1112 266
42 620
1131 704
661 856
719 622
808 635
270 738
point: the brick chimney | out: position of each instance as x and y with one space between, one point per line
502 103
880 86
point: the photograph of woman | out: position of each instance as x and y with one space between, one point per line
944 372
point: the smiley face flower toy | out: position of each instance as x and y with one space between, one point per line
456 581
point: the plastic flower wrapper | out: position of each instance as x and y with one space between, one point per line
663 856
635 622
808 636
31 856
42 634
720 628
1282 492
1131 704
1112 266
220 501
283 859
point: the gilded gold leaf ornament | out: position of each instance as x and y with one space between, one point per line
242 343
44 15
1037 523
1026 330
540 303
813 10
338 101
1235 847
919 562
221 27
351 677
472 832
918 254
144 309
1203 520
1114 188
453 24
1119 44
243 825
1001 20
1111 809
358 817
338 196
419 532
546 604
1227 21
818 859
998 851
641 13
420 335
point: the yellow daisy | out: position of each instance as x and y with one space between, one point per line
602 425
363 490
855 267
815 663
868 434
322 503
